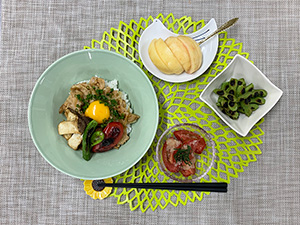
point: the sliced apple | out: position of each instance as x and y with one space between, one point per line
194 52
179 51
199 52
156 59
168 57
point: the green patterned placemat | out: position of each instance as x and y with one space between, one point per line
180 103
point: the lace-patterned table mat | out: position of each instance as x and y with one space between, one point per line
180 103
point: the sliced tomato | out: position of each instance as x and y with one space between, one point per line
186 135
113 133
197 145
168 152
188 172
192 139
172 167
188 169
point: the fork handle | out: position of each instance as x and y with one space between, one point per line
221 28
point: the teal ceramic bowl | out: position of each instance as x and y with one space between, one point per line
52 89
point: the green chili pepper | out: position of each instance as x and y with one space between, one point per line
96 138
86 148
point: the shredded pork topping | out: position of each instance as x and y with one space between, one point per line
85 88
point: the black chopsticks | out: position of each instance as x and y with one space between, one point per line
207 187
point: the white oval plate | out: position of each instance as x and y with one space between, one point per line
158 30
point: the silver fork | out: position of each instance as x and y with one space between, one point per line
200 37
226 25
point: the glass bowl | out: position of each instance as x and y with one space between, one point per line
204 161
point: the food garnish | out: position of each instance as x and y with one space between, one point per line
183 155
235 97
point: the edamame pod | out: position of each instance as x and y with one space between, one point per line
233 106
225 86
236 97
233 84
241 85
249 88
260 93
257 100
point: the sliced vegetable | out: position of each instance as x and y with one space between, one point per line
113 133
67 136
86 148
97 137
168 154
197 145
186 135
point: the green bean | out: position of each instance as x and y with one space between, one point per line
232 114
249 94
254 107
257 100
233 84
219 91
241 85
260 93
241 110
225 86
249 88
222 101
241 82
247 108
233 106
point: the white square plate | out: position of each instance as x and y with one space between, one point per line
238 68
